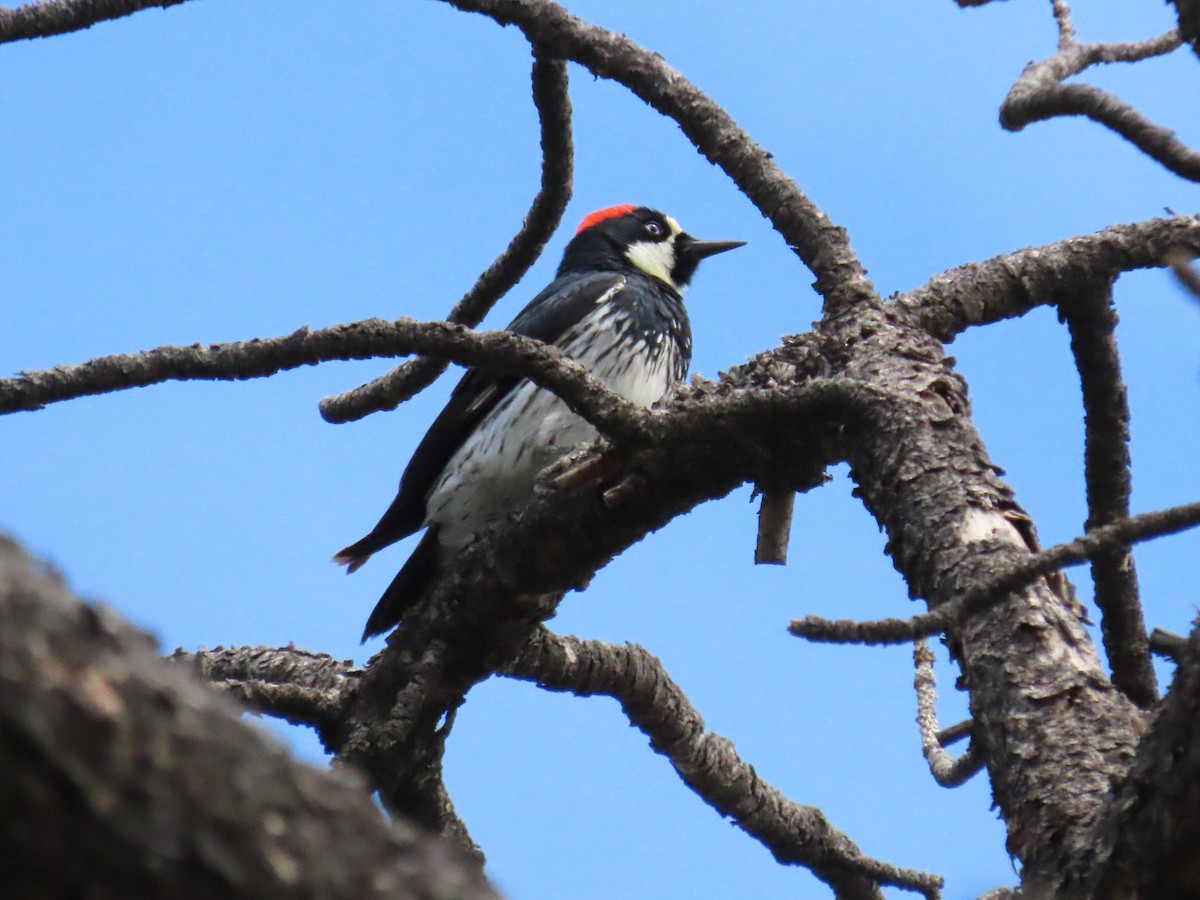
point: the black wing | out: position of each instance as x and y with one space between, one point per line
547 317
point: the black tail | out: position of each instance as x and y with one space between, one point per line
407 587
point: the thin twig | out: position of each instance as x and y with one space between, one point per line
546 366
945 769
900 631
708 763
553 104
302 687
1092 320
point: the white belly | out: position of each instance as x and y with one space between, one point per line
493 471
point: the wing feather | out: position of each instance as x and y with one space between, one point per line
547 317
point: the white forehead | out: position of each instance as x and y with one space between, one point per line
673 225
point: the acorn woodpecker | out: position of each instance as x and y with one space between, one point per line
615 307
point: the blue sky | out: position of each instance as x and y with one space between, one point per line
221 171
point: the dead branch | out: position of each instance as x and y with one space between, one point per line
1040 94
52 17
1132 530
945 769
1092 321
302 687
708 763
502 350
774 527
1008 286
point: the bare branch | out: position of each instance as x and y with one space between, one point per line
50 17
774 527
708 763
545 366
1171 646
954 733
1011 285
302 687
1039 94
946 771
1066 28
823 246
1092 321
1132 530
554 113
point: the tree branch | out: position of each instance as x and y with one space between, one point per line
1105 539
1039 94
1092 321
302 687
53 17
946 771
553 104
1172 646
1010 285
708 763
774 526
545 366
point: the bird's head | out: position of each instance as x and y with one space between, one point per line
624 237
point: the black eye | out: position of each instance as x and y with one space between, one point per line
654 229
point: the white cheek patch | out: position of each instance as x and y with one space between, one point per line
655 258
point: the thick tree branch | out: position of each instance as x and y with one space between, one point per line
823 246
120 776
1092 322
554 113
708 763
53 17
1054 731
996 588
545 366
945 769
1008 286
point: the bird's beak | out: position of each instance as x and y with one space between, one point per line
704 249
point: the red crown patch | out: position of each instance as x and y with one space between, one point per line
602 215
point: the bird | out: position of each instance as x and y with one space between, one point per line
615 306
